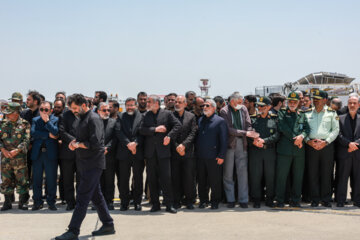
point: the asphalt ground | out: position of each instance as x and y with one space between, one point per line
237 223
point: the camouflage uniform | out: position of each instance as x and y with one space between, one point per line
14 135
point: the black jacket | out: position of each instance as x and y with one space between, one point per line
90 132
187 133
110 140
128 130
154 141
346 136
67 130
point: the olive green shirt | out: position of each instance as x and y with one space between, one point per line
323 125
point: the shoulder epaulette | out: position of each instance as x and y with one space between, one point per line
253 115
273 115
330 109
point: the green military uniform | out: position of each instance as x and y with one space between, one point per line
324 125
262 161
14 135
291 158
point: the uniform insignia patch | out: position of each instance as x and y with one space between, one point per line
293 95
19 136
5 135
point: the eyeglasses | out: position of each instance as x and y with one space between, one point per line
207 105
177 102
44 110
261 106
105 110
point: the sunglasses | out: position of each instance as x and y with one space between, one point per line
44 110
105 110
207 105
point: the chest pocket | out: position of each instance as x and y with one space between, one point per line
326 122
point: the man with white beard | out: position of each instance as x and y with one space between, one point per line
211 145
108 176
293 128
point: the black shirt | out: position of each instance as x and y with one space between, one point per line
90 131
353 125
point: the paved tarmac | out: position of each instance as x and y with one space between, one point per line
305 223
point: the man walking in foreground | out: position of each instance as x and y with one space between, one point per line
90 160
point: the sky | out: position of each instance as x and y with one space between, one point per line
160 47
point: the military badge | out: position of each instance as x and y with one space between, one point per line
19 136
271 130
293 95
27 130
5 135
337 118
261 99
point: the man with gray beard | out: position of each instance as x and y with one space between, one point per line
108 176
182 161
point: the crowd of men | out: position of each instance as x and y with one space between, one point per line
277 150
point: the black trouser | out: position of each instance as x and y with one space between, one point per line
107 180
61 183
68 169
209 174
159 170
182 178
262 164
89 190
348 167
125 166
320 165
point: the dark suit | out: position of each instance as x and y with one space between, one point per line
90 163
127 130
107 180
211 143
349 163
44 157
182 166
157 154
67 130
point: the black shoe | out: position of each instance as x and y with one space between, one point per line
244 205
190 206
7 204
295 205
110 206
231 205
177 205
314 204
280 205
124 207
70 206
93 207
340 204
104 230
270 204
63 202
171 210
52 207
214 206
202 205
155 208
256 205
137 207
326 204
37 207
23 201
356 205
69 235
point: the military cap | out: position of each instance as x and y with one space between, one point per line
16 96
263 101
293 96
12 107
319 94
